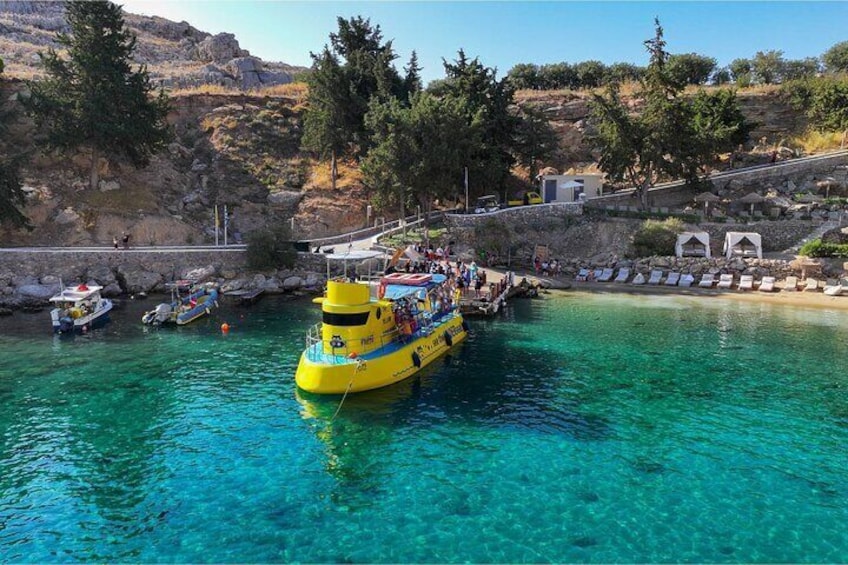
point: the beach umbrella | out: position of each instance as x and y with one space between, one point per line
752 198
827 184
706 198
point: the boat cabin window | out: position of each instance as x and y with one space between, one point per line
355 319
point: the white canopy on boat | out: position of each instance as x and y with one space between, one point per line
75 293
746 244
354 255
693 244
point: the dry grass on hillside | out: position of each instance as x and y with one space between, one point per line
816 142
320 179
123 201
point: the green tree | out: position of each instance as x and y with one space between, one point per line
11 195
270 248
721 76
535 140
524 76
669 139
557 76
690 68
719 122
328 123
740 70
342 81
835 59
623 72
94 99
487 103
767 67
590 74
795 69
824 100
419 151
412 80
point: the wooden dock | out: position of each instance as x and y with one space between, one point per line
490 303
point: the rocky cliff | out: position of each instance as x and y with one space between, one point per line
176 54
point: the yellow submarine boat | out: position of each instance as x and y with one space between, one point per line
366 342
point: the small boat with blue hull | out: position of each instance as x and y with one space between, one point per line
79 308
183 309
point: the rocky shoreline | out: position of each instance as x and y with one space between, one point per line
28 280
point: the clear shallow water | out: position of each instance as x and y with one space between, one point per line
578 428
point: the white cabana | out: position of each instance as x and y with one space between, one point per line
693 244
745 244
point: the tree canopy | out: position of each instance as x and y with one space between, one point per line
673 137
94 99
11 194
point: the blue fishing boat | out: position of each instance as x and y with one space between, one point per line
181 310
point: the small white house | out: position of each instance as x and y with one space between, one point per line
570 188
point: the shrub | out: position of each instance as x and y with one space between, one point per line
270 248
657 238
817 248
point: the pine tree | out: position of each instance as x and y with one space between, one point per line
11 195
94 99
412 80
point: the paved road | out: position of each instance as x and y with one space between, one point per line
132 249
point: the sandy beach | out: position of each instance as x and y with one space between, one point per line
796 299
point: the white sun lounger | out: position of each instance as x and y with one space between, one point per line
746 282
767 284
582 275
791 283
655 278
638 279
725 281
686 280
673 279
832 288
811 284
606 275
707 280
623 275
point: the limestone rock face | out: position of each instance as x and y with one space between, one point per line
200 274
220 48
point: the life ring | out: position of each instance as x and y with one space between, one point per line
416 359
381 292
448 338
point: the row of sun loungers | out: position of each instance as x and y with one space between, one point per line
723 281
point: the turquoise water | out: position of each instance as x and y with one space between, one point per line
578 428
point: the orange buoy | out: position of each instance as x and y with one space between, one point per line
225 328
352 355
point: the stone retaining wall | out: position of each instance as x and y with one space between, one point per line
31 278
519 214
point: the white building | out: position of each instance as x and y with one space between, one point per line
569 188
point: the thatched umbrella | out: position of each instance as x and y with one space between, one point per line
752 198
706 198
827 184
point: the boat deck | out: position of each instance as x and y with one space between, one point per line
315 353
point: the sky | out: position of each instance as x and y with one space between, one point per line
503 34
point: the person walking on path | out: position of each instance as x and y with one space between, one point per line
126 240
115 241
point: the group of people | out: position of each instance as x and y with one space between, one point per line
547 268
125 239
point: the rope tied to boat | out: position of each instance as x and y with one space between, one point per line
359 363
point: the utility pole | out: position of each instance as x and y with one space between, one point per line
226 224
216 225
466 190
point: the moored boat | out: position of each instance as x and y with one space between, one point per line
366 342
79 308
181 310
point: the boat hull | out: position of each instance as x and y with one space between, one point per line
325 374
67 324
